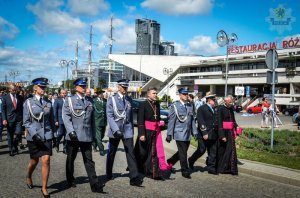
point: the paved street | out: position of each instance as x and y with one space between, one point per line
13 172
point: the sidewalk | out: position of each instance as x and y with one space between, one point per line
257 169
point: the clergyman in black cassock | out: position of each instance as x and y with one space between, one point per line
149 148
227 158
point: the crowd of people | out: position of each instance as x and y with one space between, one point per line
81 121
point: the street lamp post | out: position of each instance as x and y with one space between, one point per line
222 40
65 63
168 72
14 74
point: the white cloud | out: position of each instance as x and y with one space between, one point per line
123 34
51 19
181 49
8 30
129 8
203 44
200 45
103 25
87 7
31 64
180 7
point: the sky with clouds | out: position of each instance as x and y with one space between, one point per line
36 34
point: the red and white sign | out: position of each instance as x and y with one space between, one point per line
286 44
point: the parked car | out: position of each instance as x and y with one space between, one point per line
135 108
255 109
290 111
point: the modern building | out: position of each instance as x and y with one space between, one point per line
202 74
167 48
148 36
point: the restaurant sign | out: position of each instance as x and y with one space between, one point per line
286 44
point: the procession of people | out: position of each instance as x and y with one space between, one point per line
82 122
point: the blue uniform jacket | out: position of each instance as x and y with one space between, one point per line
115 124
45 126
83 125
181 131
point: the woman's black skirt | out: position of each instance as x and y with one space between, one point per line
37 150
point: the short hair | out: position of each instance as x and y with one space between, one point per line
229 97
151 88
191 96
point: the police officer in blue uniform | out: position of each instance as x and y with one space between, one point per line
78 118
39 121
119 117
181 127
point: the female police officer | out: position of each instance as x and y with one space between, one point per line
38 120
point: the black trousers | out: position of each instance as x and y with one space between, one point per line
181 155
86 151
131 161
211 147
61 133
14 135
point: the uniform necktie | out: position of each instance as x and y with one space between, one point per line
41 101
14 102
82 99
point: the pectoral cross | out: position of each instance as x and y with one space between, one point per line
155 116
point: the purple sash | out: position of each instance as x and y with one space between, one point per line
155 126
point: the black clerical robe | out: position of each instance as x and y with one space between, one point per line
227 157
146 153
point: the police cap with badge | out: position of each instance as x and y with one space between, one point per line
41 82
123 83
80 82
183 90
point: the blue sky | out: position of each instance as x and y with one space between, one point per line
36 34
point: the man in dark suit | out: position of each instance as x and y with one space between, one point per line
12 115
207 139
61 131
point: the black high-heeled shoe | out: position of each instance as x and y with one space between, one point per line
45 196
30 186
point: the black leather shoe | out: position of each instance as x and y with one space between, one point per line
239 162
102 153
160 178
72 184
45 196
97 188
136 181
212 172
11 153
22 146
186 175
